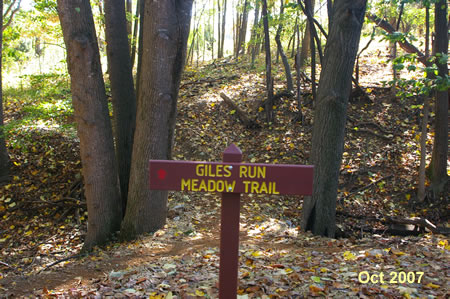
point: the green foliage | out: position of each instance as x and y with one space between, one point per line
426 79
15 49
46 6
44 104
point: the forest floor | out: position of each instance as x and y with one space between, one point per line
44 213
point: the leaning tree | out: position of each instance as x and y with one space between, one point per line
93 122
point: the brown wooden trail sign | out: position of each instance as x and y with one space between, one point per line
231 178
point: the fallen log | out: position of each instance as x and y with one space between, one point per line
241 114
416 221
401 226
210 80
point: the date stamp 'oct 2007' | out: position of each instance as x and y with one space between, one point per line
392 277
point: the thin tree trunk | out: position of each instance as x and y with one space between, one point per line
242 30
255 34
128 9
269 80
427 30
313 30
4 159
287 67
306 42
292 41
93 123
212 29
219 30
122 90
313 71
330 13
141 47
394 50
190 53
224 17
166 32
236 25
439 177
297 70
135 31
319 211
423 151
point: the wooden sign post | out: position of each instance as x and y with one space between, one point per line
231 178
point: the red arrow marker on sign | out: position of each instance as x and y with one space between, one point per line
162 174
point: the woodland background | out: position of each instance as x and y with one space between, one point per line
91 90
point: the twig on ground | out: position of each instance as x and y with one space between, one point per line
7 265
368 186
209 80
62 260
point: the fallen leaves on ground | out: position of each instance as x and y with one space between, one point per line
44 216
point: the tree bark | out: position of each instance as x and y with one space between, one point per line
219 29
224 17
166 30
298 77
93 123
4 159
269 80
309 7
423 151
287 67
319 211
306 41
242 30
439 178
255 34
122 90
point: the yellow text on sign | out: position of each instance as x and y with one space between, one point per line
260 187
252 172
207 185
217 170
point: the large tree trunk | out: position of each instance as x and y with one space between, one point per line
4 159
166 29
287 67
93 123
439 178
122 90
319 211
306 41
269 81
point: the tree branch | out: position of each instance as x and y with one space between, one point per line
404 45
12 14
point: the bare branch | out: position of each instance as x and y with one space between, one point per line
12 13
